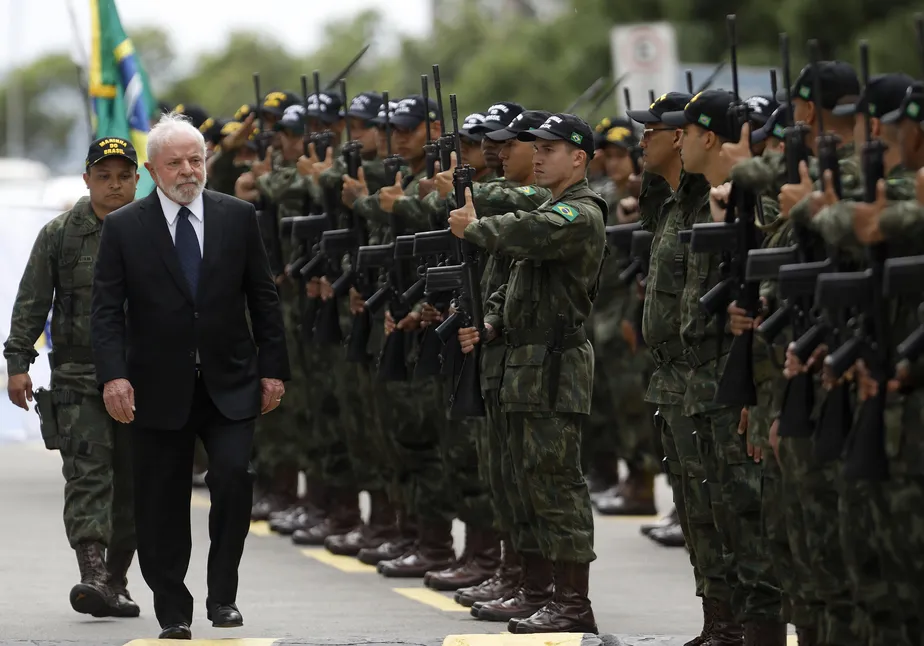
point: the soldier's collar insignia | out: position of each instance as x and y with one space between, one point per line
567 212
527 190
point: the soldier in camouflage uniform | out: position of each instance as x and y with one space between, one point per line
548 374
623 364
233 155
95 451
734 476
669 199
515 191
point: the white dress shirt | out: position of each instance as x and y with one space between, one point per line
197 219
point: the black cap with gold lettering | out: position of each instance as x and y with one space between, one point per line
111 147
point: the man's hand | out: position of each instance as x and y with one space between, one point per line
866 217
629 335
793 366
265 166
469 336
389 323
627 210
718 201
739 321
326 289
733 153
753 451
19 388
461 218
357 302
313 288
119 398
239 137
245 188
430 315
425 187
388 195
353 189
410 322
318 167
273 390
443 178
792 194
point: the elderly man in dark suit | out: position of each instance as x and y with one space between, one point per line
177 275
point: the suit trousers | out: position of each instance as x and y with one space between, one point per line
162 463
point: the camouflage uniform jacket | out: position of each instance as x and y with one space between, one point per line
493 199
224 173
665 281
483 193
558 249
59 272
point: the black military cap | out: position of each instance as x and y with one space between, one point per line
499 116
325 107
838 80
563 127
670 102
760 107
412 111
379 119
365 106
107 147
211 129
275 103
243 112
883 94
292 119
520 123
910 107
774 127
234 126
708 110
616 131
196 114
472 121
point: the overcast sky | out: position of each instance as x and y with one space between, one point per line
35 27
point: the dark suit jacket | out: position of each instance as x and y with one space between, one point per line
153 341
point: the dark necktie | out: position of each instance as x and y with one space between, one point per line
187 249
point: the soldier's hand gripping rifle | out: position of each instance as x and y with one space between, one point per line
323 140
734 238
862 292
465 399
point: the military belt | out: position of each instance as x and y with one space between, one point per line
667 352
573 337
700 355
70 355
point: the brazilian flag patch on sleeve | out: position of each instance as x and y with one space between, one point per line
527 190
567 212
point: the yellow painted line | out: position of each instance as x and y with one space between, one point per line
560 639
260 528
199 501
792 640
342 563
204 642
431 598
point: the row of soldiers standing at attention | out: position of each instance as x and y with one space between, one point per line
364 421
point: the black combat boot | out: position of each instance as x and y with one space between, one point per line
91 596
725 630
505 580
121 604
709 613
764 633
569 610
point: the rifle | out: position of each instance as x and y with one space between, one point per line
905 277
324 139
392 162
585 95
711 78
865 448
465 398
689 81
346 70
635 152
734 238
267 214
605 95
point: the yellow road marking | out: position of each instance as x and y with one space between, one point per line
260 528
342 563
792 640
204 642
199 501
561 639
431 598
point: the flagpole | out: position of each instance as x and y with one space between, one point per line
82 65
15 120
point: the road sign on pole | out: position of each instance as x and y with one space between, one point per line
648 53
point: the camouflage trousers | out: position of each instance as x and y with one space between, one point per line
325 452
620 422
365 438
545 451
280 434
97 468
692 499
734 483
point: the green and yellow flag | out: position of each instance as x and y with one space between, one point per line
119 89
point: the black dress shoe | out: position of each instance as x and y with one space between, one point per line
176 631
224 616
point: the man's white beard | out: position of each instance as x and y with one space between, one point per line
186 193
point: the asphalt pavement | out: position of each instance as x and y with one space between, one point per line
642 593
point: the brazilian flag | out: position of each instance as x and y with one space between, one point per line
119 89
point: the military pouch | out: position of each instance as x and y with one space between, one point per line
48 419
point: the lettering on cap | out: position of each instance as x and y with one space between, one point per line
274 99
658 100
293 113
113 146
617 134
758 103
550 122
